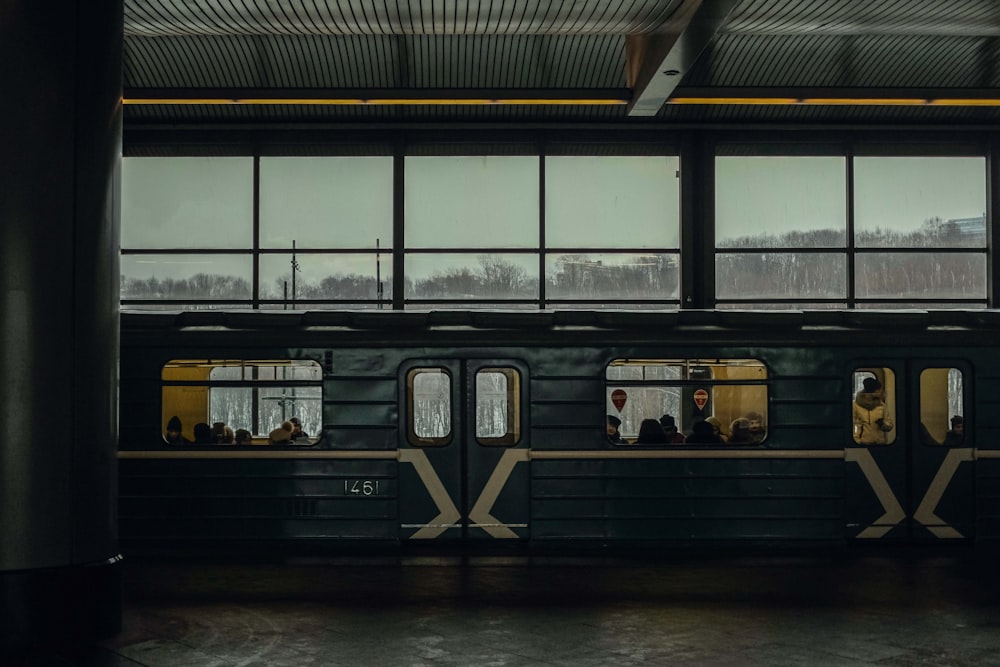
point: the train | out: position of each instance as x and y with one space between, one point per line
473 429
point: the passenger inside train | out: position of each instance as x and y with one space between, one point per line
613 435
651 433
704 433
174 434
281 435
955 436
871 422
741 434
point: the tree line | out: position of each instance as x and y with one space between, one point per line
766 266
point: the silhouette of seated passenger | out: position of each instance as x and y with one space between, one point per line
741 434
174 434
651 433
669 426
956 436
297 432
222 434
281 435
703 433
203 434
614 437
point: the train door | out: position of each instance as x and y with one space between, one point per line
942 477
463 450
909 475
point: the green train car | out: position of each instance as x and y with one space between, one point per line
535 429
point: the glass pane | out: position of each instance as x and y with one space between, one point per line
186 276
780 275
452 276
470 305
322 276
325 202
431 403
920 202
278 404
642 403
132 307
921 275
491 404
922 305
471 202
874 406
682 393
780 202
798 305
258 409
187 202
941 407
613 276
612 202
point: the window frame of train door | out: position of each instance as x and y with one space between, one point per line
942 504
890 490
463 489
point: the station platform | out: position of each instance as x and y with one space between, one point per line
855 607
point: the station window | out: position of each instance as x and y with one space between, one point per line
239 394
874 407
942 418
709 401
498 411
429 399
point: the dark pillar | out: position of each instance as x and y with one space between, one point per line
697 221
60 157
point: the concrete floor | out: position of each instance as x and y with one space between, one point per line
872 607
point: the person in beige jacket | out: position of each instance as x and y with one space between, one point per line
871 425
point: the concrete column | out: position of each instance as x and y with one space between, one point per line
60 157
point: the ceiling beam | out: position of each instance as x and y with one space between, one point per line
657 62
835 96
376 96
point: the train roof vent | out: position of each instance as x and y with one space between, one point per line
887 319
388 319
983 318
771 319
278 319
202 318
574 318
326 318
146 319
626 319
698 318
511 319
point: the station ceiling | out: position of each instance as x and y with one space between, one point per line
522 62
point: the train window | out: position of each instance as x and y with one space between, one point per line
429 394
255 395
942 420
683 395
874 407
498 406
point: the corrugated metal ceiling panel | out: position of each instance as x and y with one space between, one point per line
861 17
393 17
551 44
281 61
851 61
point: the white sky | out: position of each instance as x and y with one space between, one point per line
779 194
482 202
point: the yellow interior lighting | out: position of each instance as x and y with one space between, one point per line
341 101
840 101
520 101
734 100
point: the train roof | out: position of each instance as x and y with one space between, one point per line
659 320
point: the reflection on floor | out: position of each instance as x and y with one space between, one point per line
868 608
